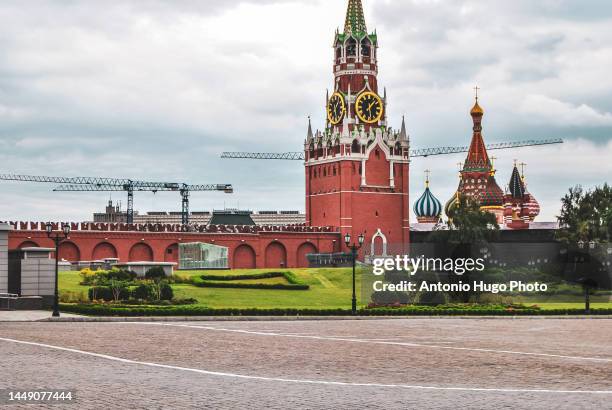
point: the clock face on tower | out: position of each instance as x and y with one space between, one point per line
369 107
336 108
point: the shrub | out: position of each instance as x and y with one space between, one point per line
156 273
291 278
210 281
179 279
145 291
166 292
87 275
122 310
103 277
248 276
106 293
232 285
186 301
119 274
153 291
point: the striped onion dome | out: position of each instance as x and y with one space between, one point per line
533 207
428 207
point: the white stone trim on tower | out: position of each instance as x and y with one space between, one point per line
378 234
363 172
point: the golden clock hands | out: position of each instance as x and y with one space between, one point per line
370 107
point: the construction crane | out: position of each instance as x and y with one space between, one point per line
183 189
423 152
117 184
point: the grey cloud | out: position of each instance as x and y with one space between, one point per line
155 89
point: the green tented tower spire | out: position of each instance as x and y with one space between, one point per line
355 19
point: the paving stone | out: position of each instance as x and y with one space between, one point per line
342 351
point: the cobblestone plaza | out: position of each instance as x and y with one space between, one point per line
401 363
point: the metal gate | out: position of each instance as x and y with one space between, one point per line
14 272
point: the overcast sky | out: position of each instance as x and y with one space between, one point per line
157 89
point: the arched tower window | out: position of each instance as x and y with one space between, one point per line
338 53
366 48
351 47
355 147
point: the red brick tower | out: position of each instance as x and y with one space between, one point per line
357 168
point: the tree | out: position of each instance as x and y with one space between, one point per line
471 225
468 227
586 216
119 289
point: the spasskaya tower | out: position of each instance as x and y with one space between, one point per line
357 168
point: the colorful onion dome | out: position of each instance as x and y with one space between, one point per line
451 205
477 109
492 195
533 207
428 206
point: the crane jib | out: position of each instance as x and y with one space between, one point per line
98 184
422 152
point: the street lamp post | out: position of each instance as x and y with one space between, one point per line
354 248
57 238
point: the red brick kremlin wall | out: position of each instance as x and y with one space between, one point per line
249 247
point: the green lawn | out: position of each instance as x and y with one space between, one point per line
329 288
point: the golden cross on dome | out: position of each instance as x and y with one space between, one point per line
476 91
493 159
523 165
427 174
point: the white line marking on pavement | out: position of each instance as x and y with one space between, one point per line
296 381
345 339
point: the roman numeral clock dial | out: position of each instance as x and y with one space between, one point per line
336 108
369 107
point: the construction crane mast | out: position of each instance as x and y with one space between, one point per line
183 189
80 184
423 152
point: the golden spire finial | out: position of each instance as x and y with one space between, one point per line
523 165
427 174
477 110
493 170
